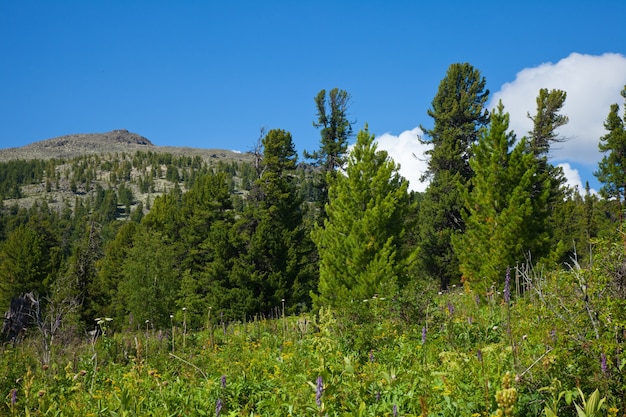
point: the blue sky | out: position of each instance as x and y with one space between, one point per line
211 74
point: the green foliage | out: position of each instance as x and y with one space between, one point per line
150 282
462 357
28 259
546 121
498 199
360 242
610 169
459 115
335 131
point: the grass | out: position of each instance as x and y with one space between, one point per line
463 356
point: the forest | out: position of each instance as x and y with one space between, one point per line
278 285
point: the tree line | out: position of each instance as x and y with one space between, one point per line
229 241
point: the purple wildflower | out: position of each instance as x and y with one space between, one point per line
450 308
319 391
479 355
223 381
13 397
423 335
218 407
371 356
603 363
470 320
395 410
377 396
507 285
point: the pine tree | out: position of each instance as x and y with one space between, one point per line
151 280
611 172
546 121
499 205
269 248
548 179
335 130
360 243
459 115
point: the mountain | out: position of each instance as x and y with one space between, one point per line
75 165
71 146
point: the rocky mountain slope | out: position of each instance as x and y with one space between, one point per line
71 146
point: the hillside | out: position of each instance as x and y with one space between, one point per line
74 165
74 145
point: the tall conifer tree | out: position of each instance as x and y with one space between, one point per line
499 205
459 115
335 130
360 243
611 172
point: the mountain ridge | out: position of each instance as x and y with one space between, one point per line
120 140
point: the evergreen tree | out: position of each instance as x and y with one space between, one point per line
267 257
24 264
611 172
335 130
548 179
459 115
499 206
151 280
360 243
82 270
104 300
546 121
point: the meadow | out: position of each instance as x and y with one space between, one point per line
533 347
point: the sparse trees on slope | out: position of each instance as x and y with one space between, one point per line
360 243
459 115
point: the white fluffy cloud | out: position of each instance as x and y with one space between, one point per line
572 175
592 84
406 150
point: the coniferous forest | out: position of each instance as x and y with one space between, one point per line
275 284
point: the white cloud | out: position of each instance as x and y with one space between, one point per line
572 177
592 84
406 150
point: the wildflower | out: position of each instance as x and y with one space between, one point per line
603 363
13 397
371 357
223 381
377 396
450 308
479 355
423 335
507 285
218 407
395 410
319 391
